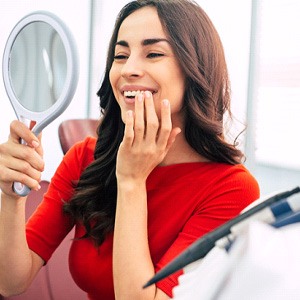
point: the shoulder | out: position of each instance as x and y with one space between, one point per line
210 172
235 175
236 182
240 175
205 177
225 181
224 172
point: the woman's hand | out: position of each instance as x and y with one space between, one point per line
146 140
20 162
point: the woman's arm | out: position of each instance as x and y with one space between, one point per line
18 163
145 144
18 264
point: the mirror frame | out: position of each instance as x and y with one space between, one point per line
43 118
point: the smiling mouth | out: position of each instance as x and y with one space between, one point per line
133 94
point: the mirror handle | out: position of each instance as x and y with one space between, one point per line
21 189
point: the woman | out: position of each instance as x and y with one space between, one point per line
160 175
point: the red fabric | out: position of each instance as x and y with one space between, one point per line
185 201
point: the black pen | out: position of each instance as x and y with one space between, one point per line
204 244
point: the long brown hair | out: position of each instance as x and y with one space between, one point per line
199 51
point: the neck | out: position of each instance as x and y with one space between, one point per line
182 152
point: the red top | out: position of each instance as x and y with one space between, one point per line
185 201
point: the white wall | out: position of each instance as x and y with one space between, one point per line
232 19
77 18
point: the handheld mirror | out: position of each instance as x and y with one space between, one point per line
40 71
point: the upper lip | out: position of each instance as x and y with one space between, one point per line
137 88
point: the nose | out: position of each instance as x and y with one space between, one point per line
132 68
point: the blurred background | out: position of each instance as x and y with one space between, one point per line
261 39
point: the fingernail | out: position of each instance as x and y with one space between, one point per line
148 94
166 102
35 144
129 113
38 188
140 97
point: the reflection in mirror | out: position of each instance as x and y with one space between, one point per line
38 66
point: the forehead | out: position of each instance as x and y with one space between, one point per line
141 24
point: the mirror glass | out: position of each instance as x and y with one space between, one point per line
38 66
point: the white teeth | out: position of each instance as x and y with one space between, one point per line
134 93
131 93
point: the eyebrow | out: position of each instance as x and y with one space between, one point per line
145 42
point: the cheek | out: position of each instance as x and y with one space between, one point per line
178 93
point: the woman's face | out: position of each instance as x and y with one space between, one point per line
145 61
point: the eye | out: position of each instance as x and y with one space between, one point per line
120 57
154 55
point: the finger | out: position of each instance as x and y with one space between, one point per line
129 131
18 131
39 148
152 123
10 152
165 124
172 137
24 170
139 119
31 156
17 170
8 176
